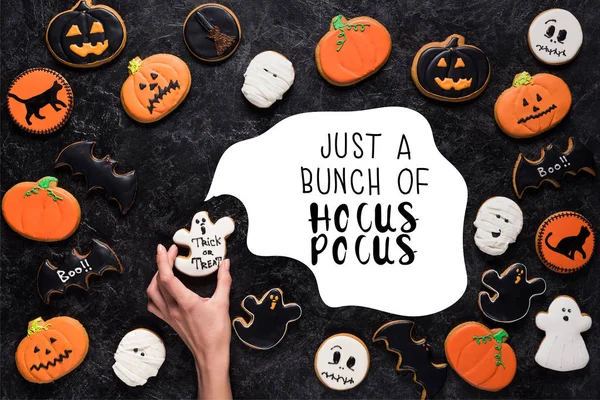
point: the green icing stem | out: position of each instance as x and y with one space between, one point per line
134 65
499 338
35 327
339 25
523 79
44 184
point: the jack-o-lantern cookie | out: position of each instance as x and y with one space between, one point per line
41 210
270 317
450 70
212 32
352 50
481 356
532 105
342 362
155 87
555 36
565 242
51 349
267 78
139 356
87 35
40 101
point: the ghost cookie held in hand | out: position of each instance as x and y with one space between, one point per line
139 356
342 362
563 348
555 36
499 221
268 77
206 242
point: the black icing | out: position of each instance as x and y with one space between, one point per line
100 173
514 293
554 164
194 32
76 269
268 326
414 356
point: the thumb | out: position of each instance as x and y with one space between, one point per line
223 282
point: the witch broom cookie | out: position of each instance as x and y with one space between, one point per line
555 36
342 362
269 321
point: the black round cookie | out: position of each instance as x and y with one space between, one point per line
212 32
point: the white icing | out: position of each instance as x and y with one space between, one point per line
500 217
563 348
268 77
206 242
555 36
139 356
352 362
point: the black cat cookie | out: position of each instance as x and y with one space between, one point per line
512 293
565 242
212 32
76 269
100 173
413 355
269 319
40 101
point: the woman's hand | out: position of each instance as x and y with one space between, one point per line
203 323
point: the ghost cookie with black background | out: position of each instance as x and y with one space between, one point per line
512 296
269 319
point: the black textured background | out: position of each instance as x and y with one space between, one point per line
176 158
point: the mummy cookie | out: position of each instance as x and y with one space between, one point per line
269 320
139 356
212 32
563 348
206 242
413 355
499 221
342 362
267 78
512 293
555 36
565 242
451 70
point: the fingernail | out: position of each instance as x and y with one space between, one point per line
160 248
171 248
226 264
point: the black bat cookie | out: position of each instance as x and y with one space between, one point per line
552 166
414 356
513 293
76 270
270 318
100 173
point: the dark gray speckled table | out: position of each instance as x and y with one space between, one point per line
176 159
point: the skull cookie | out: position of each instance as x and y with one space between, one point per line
139 356
499 221
555 36
206 242
342 362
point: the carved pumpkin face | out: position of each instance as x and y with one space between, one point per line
532 105
51 349
155 87
451 70
86 35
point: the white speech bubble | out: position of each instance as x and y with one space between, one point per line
269 175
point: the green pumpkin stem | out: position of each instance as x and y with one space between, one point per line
44 184
523 79
499 338
37 325
339 25
134 65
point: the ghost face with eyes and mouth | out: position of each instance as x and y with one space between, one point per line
555 36
499 221
139 356
563 348
342 362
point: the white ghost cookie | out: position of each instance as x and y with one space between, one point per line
206 242
342 361
139 356
499 221
555 36
563 348
268 77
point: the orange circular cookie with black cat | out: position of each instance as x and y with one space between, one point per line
565 242
40 101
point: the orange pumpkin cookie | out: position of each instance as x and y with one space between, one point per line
352 50
532 105
480 356
41 210
51 349
565 242
40 101
155 87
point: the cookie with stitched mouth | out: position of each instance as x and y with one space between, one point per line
555 36
342 362
155 87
